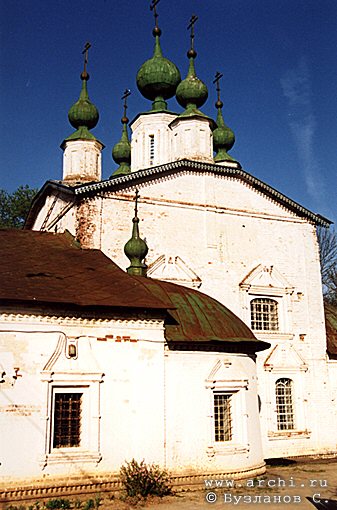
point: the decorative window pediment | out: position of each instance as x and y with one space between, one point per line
62 364
284 358
225 376
266 280
172 268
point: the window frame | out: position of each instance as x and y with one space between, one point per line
83 432
286 405
268 318
226 430
236 389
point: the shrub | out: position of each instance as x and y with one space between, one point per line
89 504
54 504
140 479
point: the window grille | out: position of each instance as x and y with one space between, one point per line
151 149
67 420
264 314
284 404
222 417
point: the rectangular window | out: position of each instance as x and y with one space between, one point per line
222 417
264 314
67 420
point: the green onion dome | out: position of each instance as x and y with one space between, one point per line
136 250
223 137
158 77
191 92
83 115
121 152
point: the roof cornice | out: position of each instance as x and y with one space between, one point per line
134 178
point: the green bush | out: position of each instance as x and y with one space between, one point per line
89 504
54 504
139 479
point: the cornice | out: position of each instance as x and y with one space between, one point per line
134 178
14 318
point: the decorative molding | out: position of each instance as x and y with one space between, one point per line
184 165
221 376
172 268
84 320
289 434
268 336
90 483
284 358
266 281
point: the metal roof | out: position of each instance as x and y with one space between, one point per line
134 178
43 268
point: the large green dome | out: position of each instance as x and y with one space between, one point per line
83 112
158 77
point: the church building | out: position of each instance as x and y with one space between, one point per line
216 230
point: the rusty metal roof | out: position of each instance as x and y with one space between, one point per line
121 182
43 268
331 329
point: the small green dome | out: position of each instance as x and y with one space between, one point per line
158 77
83 112
223 137
136 250
191 92
121 152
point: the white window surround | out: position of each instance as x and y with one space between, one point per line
89 448
299 402
236 388
267 282
61 375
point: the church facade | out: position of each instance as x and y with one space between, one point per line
213 227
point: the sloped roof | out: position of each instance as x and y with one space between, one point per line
331 329
121 182
43 268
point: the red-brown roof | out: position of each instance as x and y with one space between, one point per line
43 267
46 268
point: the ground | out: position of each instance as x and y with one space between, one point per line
287 484
302 479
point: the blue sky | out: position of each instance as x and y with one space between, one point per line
278 58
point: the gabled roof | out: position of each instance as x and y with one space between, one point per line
121 182
39 269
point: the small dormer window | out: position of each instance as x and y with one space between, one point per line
151 149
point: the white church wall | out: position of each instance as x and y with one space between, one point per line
194 379
212 233
134 397
151 143
117 370
57 214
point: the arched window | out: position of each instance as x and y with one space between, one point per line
264 314
284 404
